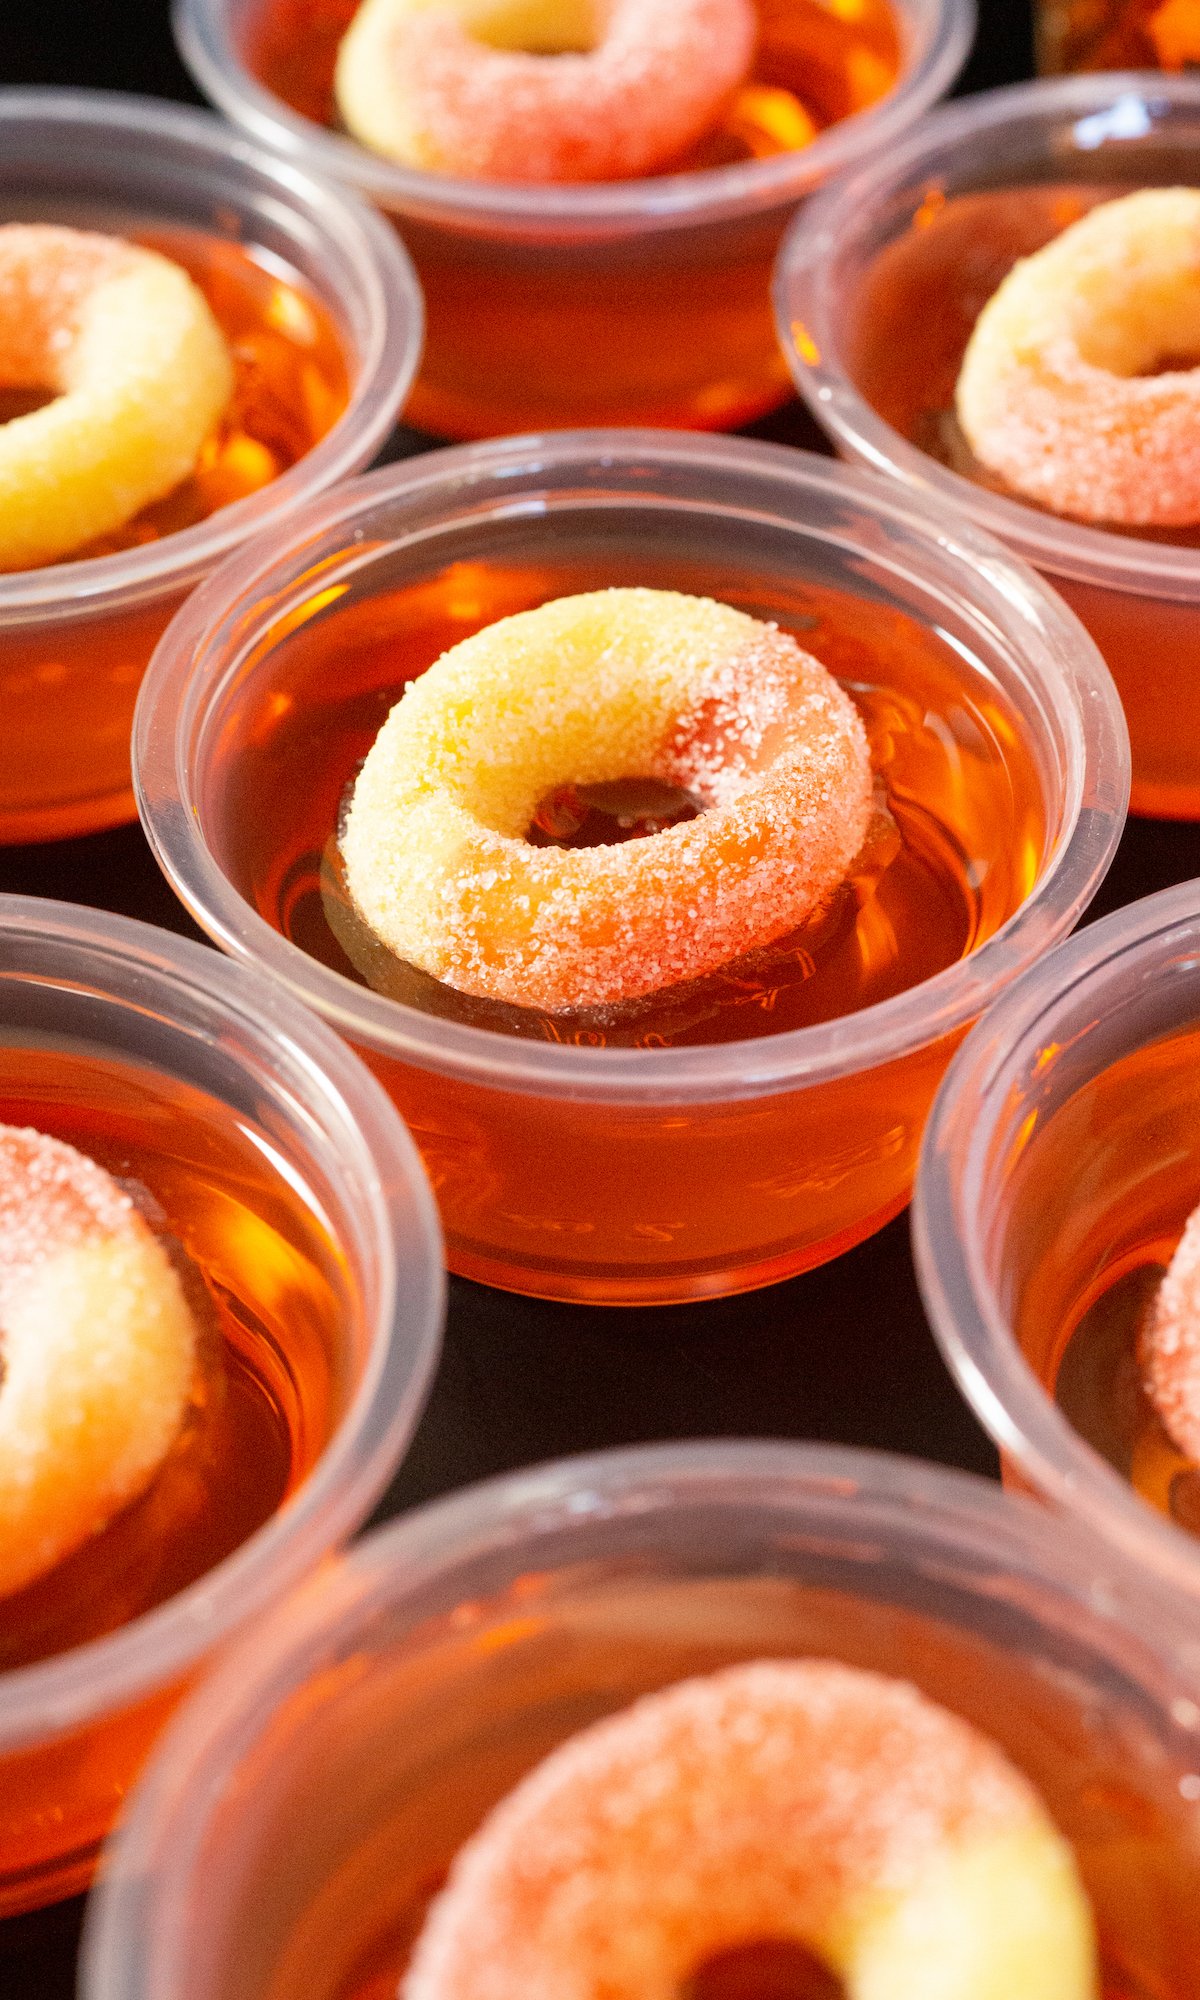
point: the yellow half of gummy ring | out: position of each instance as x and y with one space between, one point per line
139 372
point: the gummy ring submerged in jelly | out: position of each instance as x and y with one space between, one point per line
138 371
588 690
98 1351
791 1800
1169 1344
525 90
1078 385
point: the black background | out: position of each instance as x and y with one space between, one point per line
843 1353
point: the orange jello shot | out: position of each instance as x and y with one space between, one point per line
725 1130
879 289
272 1341
320 318
289 1838
1060 1169
633 300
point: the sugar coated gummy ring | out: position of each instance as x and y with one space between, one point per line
98 1349
1169 1344
139 370
587 690
540 90
797 1801
1078 386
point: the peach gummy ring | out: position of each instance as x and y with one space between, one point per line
586 690
540 90
139 370
784 1800
97 1348
1169 1345
1077 385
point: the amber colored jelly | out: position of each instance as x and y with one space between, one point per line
1128 1143
264 1281
955 849
1117 34
64 685
521 335
447 1733
912 319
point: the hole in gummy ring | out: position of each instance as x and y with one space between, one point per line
1184 1499
1169 364
23 402
538 27
774 1969
604 815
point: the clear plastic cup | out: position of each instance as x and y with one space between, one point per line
638 302
564 1168
1138 598
75 636
306 1804
107 1025
1059 1167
